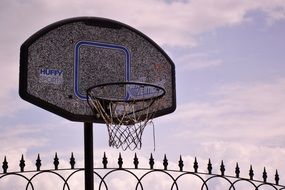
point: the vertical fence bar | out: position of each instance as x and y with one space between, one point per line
88 156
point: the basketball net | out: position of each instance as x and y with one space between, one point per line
125 120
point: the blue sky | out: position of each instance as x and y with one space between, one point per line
230 78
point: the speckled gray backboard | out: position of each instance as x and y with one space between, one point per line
61 61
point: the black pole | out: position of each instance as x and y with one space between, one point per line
88 156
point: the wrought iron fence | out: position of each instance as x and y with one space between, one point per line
133 178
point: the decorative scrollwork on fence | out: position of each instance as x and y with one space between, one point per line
106 178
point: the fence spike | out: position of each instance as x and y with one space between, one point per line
5 165
165 162
251 173
277 178
209 167
105 161
56 162
195 166
237 171
38 163
180 164
72 161
151 161
120 161
136 161
222 168
264 175
22 163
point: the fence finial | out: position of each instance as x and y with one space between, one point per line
195 166
105 161
209 167
55 162
180 164
72 161
165 162
136 161
5 165
237 171
222 168
120 161
151 161
251 173
22 163
38 163
277 178
264 175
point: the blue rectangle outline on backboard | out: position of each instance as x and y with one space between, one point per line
99 45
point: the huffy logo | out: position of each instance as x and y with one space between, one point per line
51 76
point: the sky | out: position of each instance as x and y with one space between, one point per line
230 83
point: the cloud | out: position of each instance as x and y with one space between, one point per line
197 61
172 23
240 122
177 23
20 138
253 111
274 9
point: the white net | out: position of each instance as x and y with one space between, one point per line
125 120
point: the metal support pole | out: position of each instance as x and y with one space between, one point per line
88 156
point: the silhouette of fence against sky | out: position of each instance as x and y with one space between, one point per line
119 177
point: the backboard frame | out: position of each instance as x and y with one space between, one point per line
96 21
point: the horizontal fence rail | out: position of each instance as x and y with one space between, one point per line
136 178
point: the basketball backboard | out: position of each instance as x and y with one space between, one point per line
61 61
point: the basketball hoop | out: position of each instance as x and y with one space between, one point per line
126 108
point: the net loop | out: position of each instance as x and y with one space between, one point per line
126 108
